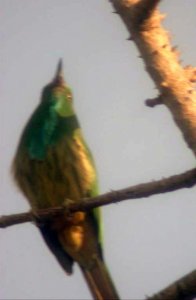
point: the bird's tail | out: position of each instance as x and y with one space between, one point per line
99 281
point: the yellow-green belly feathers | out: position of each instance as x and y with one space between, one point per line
65 172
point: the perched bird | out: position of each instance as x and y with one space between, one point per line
52 165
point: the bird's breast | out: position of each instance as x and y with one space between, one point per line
66 172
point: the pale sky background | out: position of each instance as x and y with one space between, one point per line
150 242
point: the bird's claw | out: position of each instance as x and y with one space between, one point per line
67 204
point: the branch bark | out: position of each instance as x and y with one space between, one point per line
175 83
184 288
176 91
184 180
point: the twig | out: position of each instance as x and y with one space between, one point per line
155 101
184 180
184 288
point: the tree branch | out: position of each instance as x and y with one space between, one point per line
184 180
175 83
184 288
176 91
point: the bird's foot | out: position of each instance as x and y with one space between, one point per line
74 218
67 203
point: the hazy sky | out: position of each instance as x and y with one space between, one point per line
149 242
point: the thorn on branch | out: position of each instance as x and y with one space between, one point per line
174 48
175 51
190 73
154 101
130 38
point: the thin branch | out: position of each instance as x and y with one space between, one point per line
40 216
184 180
174 82
184 288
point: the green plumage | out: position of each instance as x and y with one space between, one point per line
53 164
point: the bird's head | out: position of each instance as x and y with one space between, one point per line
58 94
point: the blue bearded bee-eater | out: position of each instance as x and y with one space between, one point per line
53 163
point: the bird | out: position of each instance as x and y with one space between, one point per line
53 166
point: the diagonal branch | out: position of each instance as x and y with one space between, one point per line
184 288
175 84
184 180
